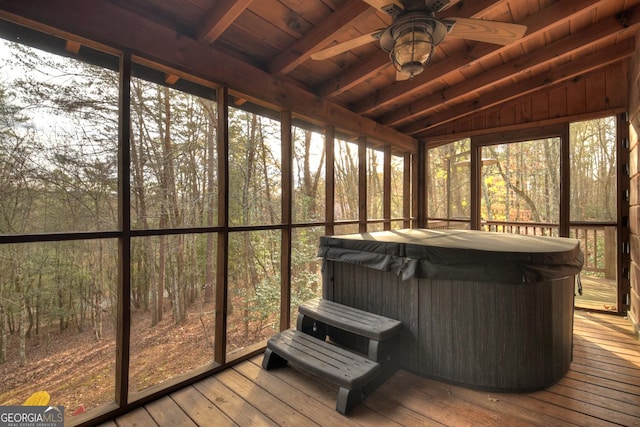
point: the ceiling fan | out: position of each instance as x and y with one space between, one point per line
415 31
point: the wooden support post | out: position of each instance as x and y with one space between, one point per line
610 252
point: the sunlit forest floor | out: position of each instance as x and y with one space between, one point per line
71 366
78 371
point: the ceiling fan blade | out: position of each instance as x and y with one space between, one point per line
345 46
485 31
392 7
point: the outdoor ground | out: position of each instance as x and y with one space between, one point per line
78 371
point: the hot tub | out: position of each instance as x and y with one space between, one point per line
485 310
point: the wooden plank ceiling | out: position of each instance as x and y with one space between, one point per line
278 37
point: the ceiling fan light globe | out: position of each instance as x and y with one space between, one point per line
412 48
416 50
412 69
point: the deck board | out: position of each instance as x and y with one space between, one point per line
165 411
602 388
232 404
200 409
312 409
273 406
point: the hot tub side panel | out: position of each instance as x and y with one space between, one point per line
493 336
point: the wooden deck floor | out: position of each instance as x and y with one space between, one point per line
598 294
602 388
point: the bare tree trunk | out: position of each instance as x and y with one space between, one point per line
164 209
346 173
61 322
152 286
308 187
193 270
98 294
551 179
375 192
487 199
178 289
3 334
311 180
251 155
171 201
99 322
97 316
265 174
138 160
22 352
162 266
39 307
519 192
248 249
210 202
607 172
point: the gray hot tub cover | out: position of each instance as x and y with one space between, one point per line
458 254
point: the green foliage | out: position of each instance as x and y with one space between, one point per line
593 170
521 182
265 301
448 180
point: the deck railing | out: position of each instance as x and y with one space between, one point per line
599 244
597 240
525 228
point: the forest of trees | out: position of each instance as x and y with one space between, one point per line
521 181
59 172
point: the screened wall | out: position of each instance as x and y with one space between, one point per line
155 228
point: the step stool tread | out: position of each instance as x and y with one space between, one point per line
341 366
360 322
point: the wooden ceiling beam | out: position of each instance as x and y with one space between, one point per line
171 79
541 21
365 70
102 23
487 80
219 18
72 46
559 74
343 19
354 76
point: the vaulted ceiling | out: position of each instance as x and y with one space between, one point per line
564 40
